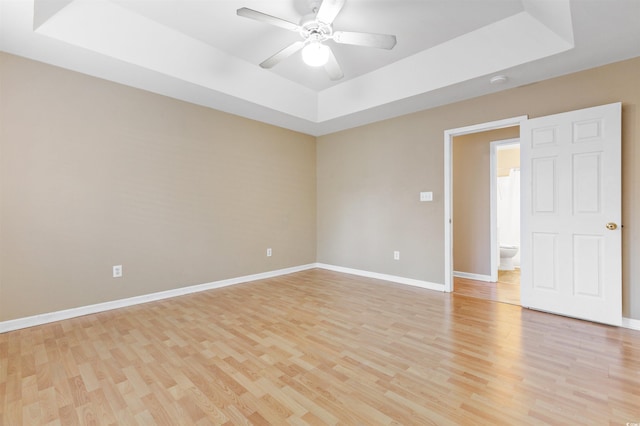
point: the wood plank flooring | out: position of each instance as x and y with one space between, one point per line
506 290
319 347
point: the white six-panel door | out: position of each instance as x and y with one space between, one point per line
571 198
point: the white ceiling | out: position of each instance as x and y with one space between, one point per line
202 52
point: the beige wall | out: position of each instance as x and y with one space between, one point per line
369 180
95 174
369 177
507 159
472 199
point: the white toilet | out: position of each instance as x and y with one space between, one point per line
506 257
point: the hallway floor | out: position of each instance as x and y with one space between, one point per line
506 290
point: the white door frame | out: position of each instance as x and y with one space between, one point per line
493 191
448 185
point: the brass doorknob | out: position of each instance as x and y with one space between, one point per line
611 226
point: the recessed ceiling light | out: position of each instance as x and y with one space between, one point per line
499 79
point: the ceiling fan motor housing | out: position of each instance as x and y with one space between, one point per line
313 30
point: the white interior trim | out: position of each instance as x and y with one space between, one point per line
85 29
476 277
46 318
631 323
448 185
49 317
393 278
494 257
137 300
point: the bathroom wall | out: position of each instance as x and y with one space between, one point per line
507 159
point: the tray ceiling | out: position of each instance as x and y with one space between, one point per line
202 52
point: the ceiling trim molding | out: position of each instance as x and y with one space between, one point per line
110 40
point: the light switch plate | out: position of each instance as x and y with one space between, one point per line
426 196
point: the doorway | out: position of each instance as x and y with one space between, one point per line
505 216
449 136
503 282
480 186
571 189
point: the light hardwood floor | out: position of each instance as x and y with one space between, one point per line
506 290
319 347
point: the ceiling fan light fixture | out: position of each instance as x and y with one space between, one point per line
314 29
315 54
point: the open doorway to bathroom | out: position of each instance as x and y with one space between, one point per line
505 216
476 191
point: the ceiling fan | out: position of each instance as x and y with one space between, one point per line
316 28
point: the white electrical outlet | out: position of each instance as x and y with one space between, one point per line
269 252
117 271
396 255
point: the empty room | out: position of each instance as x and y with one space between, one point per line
293 212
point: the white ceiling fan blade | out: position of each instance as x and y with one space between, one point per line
328 10
283 54
333 67
263 17
381 41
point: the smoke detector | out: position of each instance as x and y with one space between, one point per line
499 79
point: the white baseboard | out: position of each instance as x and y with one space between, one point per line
631 323
40 319
393 278
477 277
49 317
